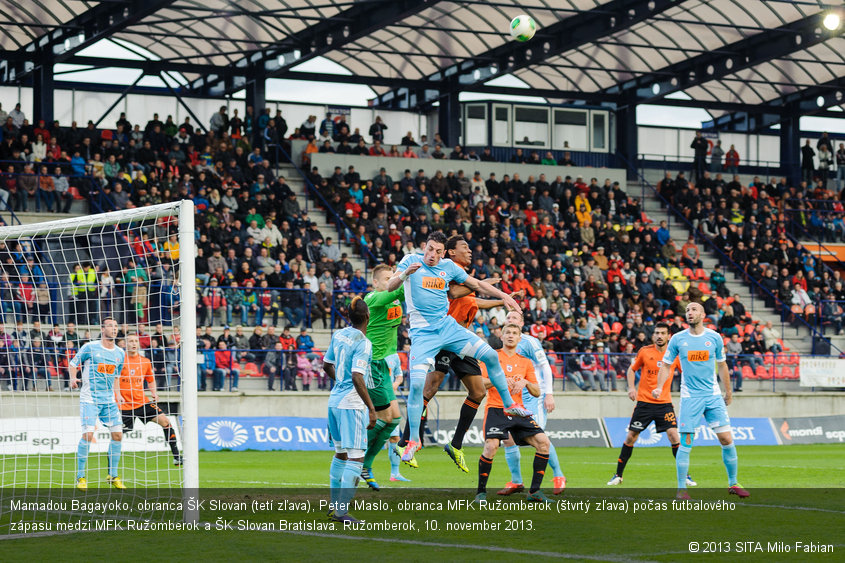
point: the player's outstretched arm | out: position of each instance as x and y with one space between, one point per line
361 389
399 277
486 289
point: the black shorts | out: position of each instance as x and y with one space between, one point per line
663 415
497 425
146 413
461 366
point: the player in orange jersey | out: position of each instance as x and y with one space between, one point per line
519 372
463 306
660 410
136 370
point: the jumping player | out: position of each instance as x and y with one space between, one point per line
393 451
660 410
101 363
498 424
426 279
542 405
385 316
700 350
136 370
463 306
351 411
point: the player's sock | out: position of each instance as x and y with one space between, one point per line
540 463
335 477
494 370
170 438
554 462
395 459
373 444
114 456
416 406
484 467
424 418
406 432
512 457
682 465
468 410
624 456
351 476
82 457
675 450
731 461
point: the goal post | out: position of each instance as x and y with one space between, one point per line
58 281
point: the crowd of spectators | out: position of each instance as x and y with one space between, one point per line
595 273
756 226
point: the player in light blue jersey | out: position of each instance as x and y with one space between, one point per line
351 411
701 351
531 348
397 377
101 363
426 280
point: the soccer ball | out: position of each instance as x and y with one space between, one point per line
523 27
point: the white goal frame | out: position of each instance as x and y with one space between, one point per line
184 210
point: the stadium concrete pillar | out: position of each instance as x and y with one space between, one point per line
626 138
790 147
42 93
449 118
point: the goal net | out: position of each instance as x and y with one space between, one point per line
61 284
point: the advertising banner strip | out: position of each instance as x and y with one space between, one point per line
822 372
746 431
60 435
811 429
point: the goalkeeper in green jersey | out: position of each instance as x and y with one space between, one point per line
385 317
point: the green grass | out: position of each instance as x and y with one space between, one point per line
798 494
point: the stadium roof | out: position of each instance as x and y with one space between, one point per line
732 57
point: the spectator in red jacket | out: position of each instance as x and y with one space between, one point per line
224 365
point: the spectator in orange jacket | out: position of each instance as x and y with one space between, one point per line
224 365
520 283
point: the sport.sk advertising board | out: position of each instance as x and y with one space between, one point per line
746 431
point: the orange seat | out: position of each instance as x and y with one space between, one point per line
688 273
748 373
701 274
793 359
787 373
74 192
704 287
761 372
749 328
769 358
606 328
617 327
251 370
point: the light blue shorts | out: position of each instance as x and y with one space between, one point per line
537 407
426 342
348 429
395 366
712 407
107 413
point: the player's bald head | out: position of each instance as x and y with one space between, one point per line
515 318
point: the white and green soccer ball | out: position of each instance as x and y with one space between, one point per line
523 28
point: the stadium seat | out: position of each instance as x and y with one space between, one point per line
787 373
74 192
761 373
606 328
250 369
701 274
796 375
617 327
769 359
748 373
749 328
689 274
793 359
704 288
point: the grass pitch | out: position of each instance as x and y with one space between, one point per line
798 495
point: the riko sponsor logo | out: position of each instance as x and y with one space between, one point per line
226 434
